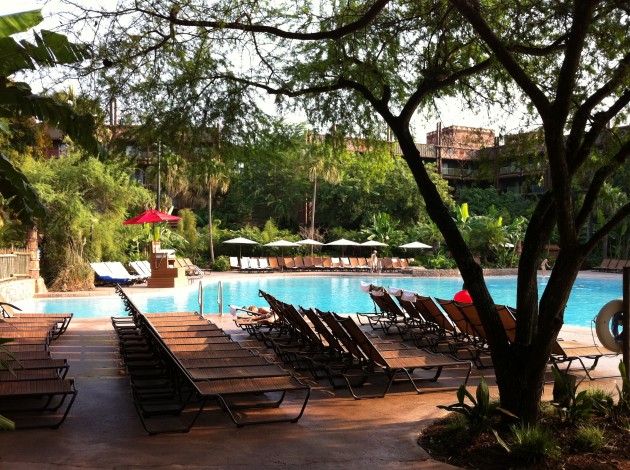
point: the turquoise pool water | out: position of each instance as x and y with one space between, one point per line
339 294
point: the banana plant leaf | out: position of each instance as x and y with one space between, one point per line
22 198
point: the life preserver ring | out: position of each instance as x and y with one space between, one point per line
608 325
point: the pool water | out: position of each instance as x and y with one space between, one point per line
339 294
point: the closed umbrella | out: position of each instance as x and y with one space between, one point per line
241 241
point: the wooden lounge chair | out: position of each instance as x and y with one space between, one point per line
335 264
273 264
389 312
218 383
386 264
11 313
604 265
563 352
395 363
21 398
474 344
221 375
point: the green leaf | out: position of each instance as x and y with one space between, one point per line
19 22
7 424
23 199
18 100
501 442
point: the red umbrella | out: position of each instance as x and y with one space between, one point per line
151 217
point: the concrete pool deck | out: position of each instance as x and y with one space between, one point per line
103 430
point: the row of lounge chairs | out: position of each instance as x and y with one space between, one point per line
613 265
455 328
179 363
34 389
314 263
334 347
113 272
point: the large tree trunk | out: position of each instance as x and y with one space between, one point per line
520 367
313 207
210 232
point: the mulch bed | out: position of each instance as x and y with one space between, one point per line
458 448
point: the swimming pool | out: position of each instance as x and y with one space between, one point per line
339 294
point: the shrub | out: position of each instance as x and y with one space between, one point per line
481 410
623 404
602 400
570 405
533 443
441 262
222 263
589 438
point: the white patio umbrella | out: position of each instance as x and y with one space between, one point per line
282 244
311 242
416 245
342 242
241 241
373 243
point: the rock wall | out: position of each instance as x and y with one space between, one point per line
19 289
422 272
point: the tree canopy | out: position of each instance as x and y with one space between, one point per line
361 68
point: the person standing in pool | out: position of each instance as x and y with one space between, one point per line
544 266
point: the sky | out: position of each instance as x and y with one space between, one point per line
450 112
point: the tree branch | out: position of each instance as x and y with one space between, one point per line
337 33
540 51
428 85
582 17
600 177
607 227
504 56
600 121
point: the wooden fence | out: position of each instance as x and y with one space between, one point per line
14 262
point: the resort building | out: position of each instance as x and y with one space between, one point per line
467 156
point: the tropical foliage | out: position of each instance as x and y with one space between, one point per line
86 201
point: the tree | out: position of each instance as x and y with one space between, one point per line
321 162
349 63
17 99
86 202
